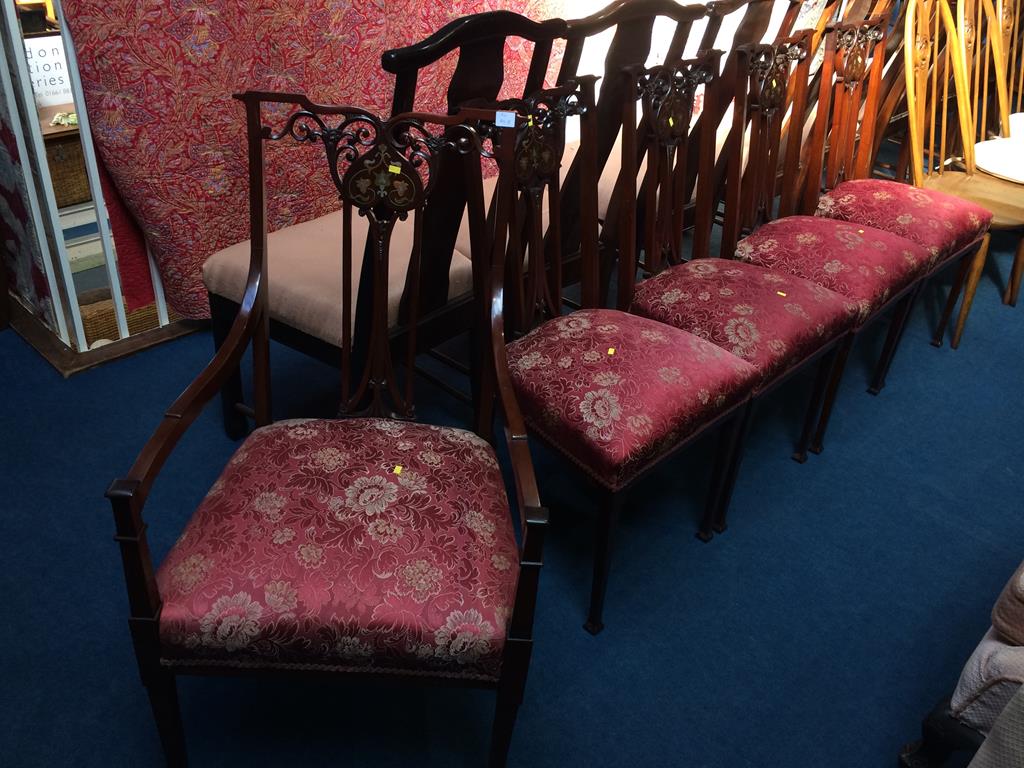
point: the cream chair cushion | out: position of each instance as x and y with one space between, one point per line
305 272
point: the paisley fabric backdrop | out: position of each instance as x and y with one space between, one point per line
158 77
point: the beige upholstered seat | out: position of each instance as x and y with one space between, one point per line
305 273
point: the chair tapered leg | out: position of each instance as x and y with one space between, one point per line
163 700
720 463
892 340
222 316
954 296
973 277
821 381
1013 287
818 442
610 507
739 444
510 696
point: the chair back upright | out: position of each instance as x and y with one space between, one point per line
985 29
1012 15
842 141
940 120
534 267
384 171
762 154
480 73
665 134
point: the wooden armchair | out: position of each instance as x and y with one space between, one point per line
369 545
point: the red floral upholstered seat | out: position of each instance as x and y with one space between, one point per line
363 543
864 264
770 319
940 223
615 391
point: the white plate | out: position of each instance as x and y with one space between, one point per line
1003 158
1017 126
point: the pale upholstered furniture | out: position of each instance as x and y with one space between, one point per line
1005 743
991 678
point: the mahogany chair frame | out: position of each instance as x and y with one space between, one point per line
375 392
849 84
536 264
769 84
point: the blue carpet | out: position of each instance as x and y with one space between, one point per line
838 608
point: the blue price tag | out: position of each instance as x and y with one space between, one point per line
505 119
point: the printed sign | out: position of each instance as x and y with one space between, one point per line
48 70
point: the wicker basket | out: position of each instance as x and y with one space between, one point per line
67 168
100 322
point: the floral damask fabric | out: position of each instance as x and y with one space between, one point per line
616 391
942 224
158 77
361 543
864 264
770 319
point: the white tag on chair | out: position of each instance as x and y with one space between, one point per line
505 119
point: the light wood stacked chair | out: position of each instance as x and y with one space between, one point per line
950 207
990 34
369 545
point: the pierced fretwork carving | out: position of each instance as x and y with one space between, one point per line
769 69
384 170
540 144
668 93
852 53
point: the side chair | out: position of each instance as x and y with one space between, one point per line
776 321
615 394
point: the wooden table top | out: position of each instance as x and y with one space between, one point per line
46 115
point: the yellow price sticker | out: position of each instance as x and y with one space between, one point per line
671 122
398 469
781 293
394 169
611 350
